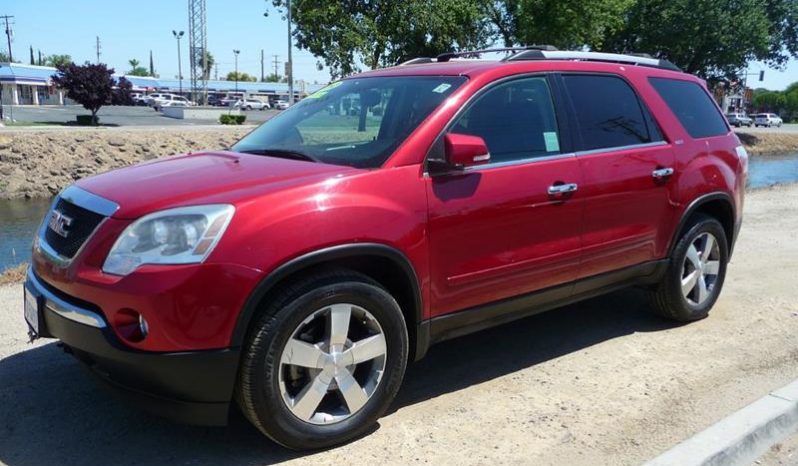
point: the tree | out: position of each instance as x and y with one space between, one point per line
123 94
152 66
209 61
385 32
32 61
568 24
232 76
712 38
273 78
136 69
89 85
57 60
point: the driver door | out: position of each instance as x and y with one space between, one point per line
501 229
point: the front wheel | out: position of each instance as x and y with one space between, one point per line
323 360
695 274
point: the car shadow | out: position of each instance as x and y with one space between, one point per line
51 412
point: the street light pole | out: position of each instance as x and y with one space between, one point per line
290 61
236 52
178 35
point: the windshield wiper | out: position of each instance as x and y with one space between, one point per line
282 153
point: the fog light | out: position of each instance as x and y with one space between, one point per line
131 325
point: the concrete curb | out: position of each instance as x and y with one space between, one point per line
742 437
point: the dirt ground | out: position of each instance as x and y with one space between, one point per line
601 382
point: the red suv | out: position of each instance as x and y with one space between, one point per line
298 272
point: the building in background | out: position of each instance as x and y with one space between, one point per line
32 85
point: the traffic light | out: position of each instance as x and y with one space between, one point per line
762 75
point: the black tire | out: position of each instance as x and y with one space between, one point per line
258 391
667 299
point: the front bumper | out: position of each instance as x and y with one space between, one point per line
190 386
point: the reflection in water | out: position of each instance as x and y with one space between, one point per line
19 219
767 171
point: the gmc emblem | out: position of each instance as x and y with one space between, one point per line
59 223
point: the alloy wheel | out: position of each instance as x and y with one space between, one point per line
332 364
700 269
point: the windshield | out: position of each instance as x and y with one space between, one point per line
355 122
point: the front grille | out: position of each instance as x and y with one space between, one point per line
82 225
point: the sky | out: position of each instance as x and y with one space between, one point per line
131 29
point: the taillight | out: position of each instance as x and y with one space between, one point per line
742 154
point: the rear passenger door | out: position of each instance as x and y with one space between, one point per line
627 170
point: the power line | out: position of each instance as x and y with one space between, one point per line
276 63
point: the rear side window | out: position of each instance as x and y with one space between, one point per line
609 113
692 106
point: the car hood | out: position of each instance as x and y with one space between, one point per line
202 178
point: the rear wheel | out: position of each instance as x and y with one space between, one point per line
323 361
695 273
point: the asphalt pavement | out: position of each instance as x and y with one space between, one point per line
113 115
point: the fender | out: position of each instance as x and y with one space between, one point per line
326 255
694 205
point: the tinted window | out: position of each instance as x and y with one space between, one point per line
608 112
516 119
692 106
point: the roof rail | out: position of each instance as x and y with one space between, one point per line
639 59
444 57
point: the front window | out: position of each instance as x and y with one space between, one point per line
357 122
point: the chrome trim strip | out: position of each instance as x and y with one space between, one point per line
620 148
63 308
525 161
89 201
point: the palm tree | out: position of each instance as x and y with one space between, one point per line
134 63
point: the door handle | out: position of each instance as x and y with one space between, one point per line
562 188
660 173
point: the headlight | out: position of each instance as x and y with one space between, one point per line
185 235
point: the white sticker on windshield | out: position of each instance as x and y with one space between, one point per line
442 88
551 141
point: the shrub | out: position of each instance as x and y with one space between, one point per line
227 119
88 120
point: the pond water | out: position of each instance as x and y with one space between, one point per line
20 218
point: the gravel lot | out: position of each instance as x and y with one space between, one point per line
601 382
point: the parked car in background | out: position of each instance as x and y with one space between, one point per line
253 104
281 104
229 101
214 100
299 272
739 119
768 119
171 100
150 99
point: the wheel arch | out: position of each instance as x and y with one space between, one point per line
718 205
383 263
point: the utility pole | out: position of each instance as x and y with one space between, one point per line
262 77
236 52
97 47
178 35
9 33
290 72
216 71
276 63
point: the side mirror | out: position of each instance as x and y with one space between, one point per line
465 150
